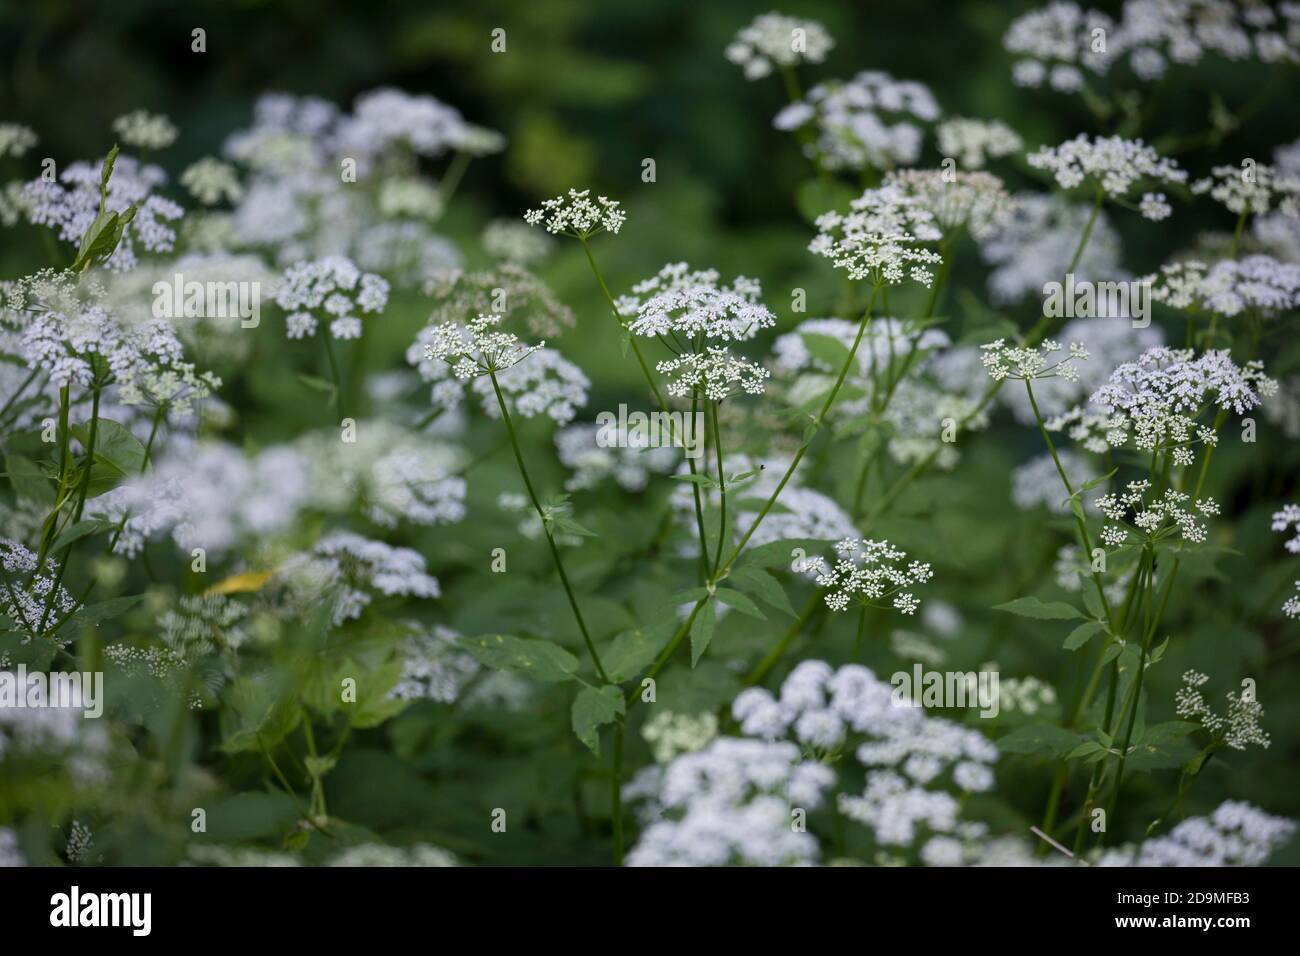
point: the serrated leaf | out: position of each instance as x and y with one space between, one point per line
1040 610
764 586
702 631
540 660
631 651
114 444
740 602
1082 634
592 709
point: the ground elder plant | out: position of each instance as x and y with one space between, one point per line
895 471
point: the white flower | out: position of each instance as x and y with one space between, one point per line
25 603
975 201
1154 519
1111 163
15 139
869 572
511 241
72 204
715 372
1029 363
577 216
687 306
433 666
211 181
547 384
1252 190
868 121
1236 834
1155 207
773 38
144 130
386 117
879 238
1256 283
972 142
597 452
332 286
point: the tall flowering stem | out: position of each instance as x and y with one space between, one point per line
550 539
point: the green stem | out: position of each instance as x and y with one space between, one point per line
550 539
722 486
339 395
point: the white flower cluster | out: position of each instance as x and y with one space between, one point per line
393 475
909 756
1165 514
687 305
975 201
1111 163
387 117
1036 484
715 372
1252 190
144 130
1236 834
870 121
1053 43
476 349
510 241
72 204
345 571
547 384
1239 728
211 496
528 299
201 624
1031 362
879 238
577 216
333 286
1257 284
1109 342
1037 242
866 572
433 666
621 454
16 140
973 142
211 181
729 804
25 603
1289 517
1163 392
670 733
774 39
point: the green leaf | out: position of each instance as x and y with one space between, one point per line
114 445
740 602
1082 634
1039 738
702 631
320 385
1164 746
1040 610
28 480
1094 482
1085 749
826 349
1092 601
764 586
632 651
541 660
92 615
1112 651
592 709
78 531
783 553
703 480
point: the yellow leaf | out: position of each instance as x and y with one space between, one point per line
249 581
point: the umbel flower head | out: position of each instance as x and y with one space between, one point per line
684 307
477 348
145 130
867 572
1111 163
1161 395
879 238
576 215
333 286
975 201
973 142
1256 284
1029 363
1238 729
1052 44
1253 189
871 121
1162 516
775 39
715 371
460 293
25 604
